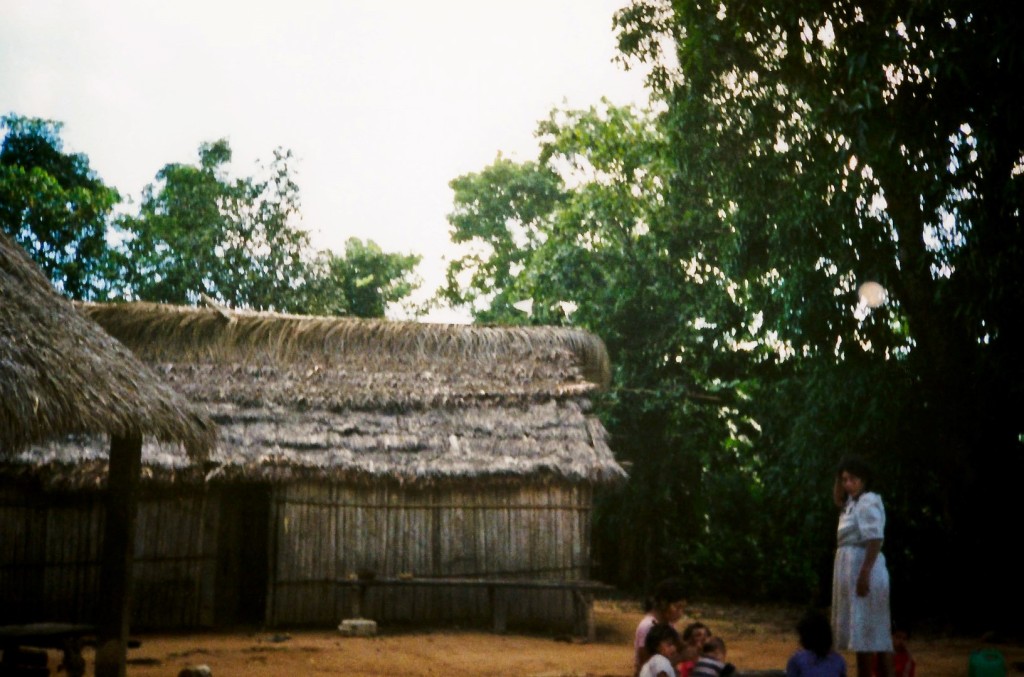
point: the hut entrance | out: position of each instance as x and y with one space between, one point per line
242 555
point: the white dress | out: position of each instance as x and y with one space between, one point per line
861 624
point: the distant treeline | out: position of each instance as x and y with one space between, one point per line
196 231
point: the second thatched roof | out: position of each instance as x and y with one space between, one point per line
60 374
340 397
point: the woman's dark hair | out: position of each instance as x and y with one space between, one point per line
857 467
658 633
815 633
666 592
692 628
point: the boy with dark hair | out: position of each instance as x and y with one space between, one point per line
816 658
660 643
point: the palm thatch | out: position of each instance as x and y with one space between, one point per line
60 374
347 398
541 356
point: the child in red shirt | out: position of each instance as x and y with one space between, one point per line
902 662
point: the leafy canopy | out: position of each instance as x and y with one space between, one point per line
239 242
841 142
585 236
200 232
362 283
800 149
55 206
197 231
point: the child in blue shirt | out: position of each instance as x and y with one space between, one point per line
816 658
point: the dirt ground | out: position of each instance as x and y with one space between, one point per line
757 639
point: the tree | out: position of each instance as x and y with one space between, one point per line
55 206
501 214
843 141
197 231
362 283
584 235
803 149
236 241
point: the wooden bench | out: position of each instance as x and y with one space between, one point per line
582 591
67 637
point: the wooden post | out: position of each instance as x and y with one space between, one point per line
583 603
116 564
359 600
499 609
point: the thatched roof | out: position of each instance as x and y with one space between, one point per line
340 397
60 374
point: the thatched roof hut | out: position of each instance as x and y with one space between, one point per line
344 398
60 374
466 456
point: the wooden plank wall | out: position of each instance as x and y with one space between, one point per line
326 533
49 561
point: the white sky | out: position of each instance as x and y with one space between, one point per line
383 102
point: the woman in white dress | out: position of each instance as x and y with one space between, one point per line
860 580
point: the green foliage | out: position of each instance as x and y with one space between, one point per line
717 247
238 242
199 232
600 240
502 212
361 283
196 231
55 206
839 142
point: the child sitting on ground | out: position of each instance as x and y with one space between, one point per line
660 643
712 660
694 636
903 663
816 658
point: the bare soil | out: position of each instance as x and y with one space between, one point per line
758 638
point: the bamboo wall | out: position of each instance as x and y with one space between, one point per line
50 558
194 561
21 552
173 582
326 533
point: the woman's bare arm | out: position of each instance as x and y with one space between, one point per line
871 550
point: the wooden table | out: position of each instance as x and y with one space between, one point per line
582 591
67 637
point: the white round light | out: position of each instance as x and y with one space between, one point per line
872 294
